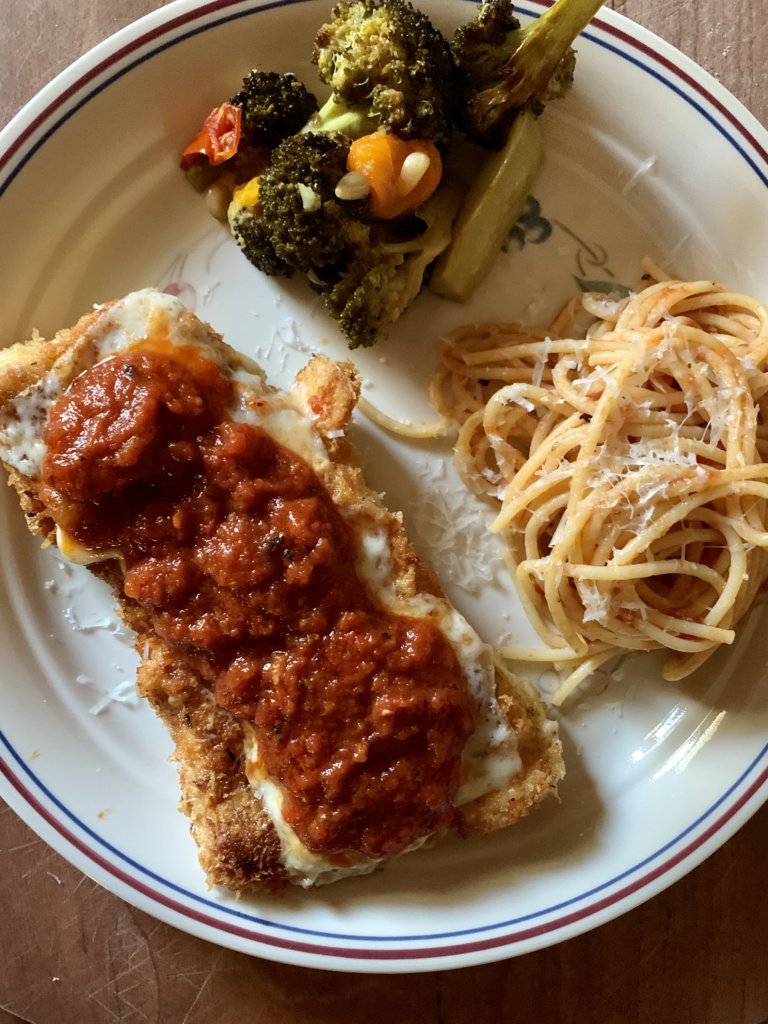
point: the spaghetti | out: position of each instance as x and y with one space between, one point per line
631 470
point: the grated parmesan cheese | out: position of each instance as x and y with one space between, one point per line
452 526
596 603
122 693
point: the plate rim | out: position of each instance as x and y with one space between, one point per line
28 130
397 959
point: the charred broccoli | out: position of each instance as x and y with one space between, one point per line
483 45
509 73
237 136
291 218
385 60
387 275
251 232
507 68
273 107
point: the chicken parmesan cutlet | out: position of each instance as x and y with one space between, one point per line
330 709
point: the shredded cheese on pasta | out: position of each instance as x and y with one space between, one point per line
630 468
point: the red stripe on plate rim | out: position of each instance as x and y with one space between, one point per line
383 953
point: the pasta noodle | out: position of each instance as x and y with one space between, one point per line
403 428
630 466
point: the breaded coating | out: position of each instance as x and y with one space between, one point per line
237 843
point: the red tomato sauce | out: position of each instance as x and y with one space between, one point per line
246 567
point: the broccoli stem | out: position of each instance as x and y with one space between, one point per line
336 116
498 193
544 44
493 203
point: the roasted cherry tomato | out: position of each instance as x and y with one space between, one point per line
218 139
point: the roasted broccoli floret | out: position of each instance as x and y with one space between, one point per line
386 276
289 218
367 270
236 137
483 45
385 60
251 232
273 107
336 116
507 68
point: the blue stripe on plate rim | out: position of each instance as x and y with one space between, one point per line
743 790
743 793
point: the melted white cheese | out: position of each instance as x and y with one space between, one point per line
74 551
302 866
284 423
490 759
145 314
22 423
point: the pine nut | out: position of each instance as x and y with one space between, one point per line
353 185
415 166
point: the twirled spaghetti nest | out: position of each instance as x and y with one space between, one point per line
630 467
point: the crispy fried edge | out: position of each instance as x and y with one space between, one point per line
322 387
237 844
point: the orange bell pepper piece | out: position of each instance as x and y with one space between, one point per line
396 185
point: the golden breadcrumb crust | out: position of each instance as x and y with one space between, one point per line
237 844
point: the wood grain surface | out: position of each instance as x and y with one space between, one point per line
71 953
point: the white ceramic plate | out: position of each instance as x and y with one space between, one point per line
646 155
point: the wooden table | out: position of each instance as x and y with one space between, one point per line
71 953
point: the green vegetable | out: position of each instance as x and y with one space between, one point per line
298 223
270 107
389 69
494 202
201 175
507 68
386 276
335 116
509 73
368 271
384 59
273 106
